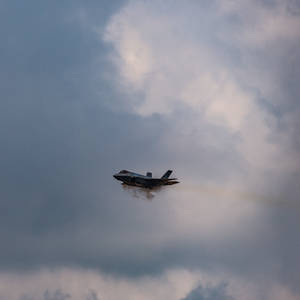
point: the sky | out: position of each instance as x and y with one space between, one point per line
209 89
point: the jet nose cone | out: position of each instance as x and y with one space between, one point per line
116 176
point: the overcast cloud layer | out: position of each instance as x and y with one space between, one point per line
206 88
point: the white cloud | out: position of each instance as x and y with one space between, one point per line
79 284
184 55
206 69
263 24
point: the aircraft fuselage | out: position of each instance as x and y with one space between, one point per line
135 179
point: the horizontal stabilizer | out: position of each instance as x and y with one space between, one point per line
167 174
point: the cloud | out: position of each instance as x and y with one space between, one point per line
167 85
61 145
223 75
79 284
57 295
209 293
203 61
264 23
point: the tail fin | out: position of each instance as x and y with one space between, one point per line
167 174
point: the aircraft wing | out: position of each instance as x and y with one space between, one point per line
149 180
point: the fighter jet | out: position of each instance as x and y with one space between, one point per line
131 178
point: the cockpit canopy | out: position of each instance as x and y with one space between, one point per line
124 172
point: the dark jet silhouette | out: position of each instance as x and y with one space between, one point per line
131 178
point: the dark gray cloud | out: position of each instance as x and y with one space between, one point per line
59 295
60 145
209 293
